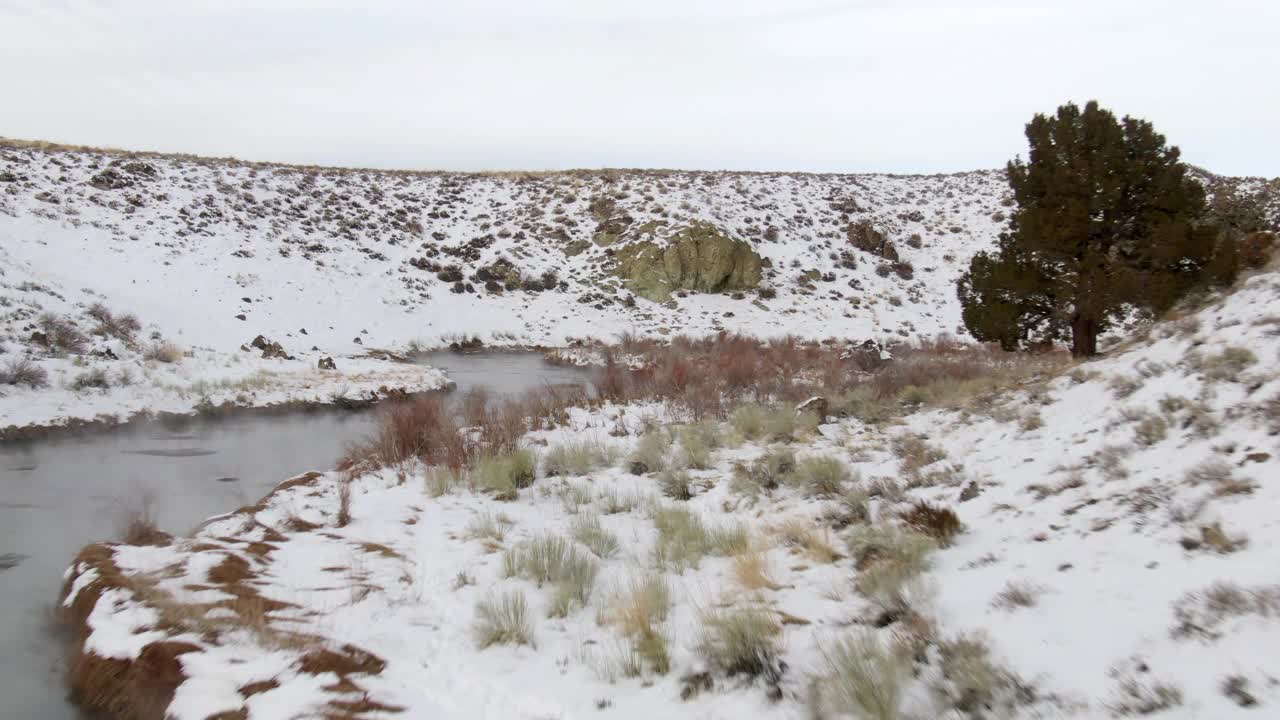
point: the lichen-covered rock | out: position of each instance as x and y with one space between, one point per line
864 236
698 258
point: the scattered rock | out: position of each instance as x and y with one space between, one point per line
241 316
868 356
8 561
110 180
816 405
270 349
970 491
1258 457
327 363
695 684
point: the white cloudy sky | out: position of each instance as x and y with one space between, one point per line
825 85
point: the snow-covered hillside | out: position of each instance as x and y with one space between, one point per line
1114 556
192 244
210 254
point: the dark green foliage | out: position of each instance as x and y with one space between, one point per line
1107 221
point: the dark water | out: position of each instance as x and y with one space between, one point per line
58 495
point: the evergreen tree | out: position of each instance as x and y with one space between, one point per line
1106 224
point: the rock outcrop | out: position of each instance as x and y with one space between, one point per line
698 258
864 236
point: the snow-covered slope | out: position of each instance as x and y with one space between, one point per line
1117 558
191 244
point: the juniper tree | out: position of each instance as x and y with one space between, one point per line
1106 223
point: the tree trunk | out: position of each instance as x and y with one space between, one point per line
1084 336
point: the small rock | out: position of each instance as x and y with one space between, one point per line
1258 457
357 341
326 363
241 316
970 491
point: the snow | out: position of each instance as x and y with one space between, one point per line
1106 567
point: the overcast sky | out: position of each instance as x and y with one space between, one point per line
821 85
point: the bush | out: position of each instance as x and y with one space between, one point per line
821 476
742 642
863 679
488 526
749 420
697 442
587 530
164 352
939 523
552 559
21 371
969 681
675 484
503 620
577 458
650 454
422 428
122 327
504 475
1016 595
807 536
1226 365
752 571
96 379
764 474
1150 430
439 481
914 452
638 610
760 422
888 558
61 335
682 538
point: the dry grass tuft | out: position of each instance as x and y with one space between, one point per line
821 476
503 620
639 610
940 523
752 571
742 642
1016 595
863 678
806 536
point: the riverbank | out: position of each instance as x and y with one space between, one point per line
65 489
203 383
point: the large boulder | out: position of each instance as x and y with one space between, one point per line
699 258
864 236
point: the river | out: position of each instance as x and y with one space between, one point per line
61 493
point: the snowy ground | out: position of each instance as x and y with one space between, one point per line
1101 508
164 368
